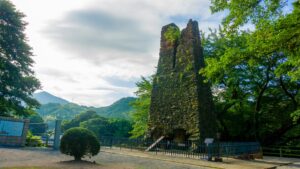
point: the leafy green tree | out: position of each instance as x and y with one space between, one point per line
249 95
260 67
120 127
79 142
17 81
275 30
100 126
108 127
250 11
37 125
36 118
84 116
141 107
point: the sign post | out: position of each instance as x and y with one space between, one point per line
209 141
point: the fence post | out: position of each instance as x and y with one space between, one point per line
25 129
47 140
280 152
57 134
111 142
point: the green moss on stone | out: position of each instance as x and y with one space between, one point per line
172 34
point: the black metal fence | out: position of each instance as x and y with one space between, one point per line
186 149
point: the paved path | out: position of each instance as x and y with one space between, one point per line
287 163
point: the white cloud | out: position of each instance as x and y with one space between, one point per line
93 51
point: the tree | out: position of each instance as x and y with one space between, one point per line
275 30
251 96
260 65
79 142
258 70
17 81
37 125
120 127
141 107
100 126
84 116
108 127
250 11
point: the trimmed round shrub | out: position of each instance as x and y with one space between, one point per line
79 142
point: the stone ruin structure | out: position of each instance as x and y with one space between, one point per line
181 103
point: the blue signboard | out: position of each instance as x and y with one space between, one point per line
11 128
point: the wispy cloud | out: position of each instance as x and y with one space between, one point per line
98 37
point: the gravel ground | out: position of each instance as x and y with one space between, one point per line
54 159
228 163
127 159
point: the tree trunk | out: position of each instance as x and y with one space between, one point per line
263 88
225 135
258 108
273 137
290 95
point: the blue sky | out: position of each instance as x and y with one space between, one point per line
92 52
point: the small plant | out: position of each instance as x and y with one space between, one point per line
79 142
33 141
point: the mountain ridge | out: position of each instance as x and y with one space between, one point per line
65 110
45 98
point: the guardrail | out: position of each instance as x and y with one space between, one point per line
284 151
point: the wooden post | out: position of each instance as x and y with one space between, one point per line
57 134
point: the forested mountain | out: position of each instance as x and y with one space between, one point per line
45 98
118 109
64 110
67 111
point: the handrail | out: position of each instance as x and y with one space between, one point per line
154 144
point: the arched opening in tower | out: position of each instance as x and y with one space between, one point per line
179 136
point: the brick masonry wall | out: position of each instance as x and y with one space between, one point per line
15 140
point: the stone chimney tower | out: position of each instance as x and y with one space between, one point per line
181 103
